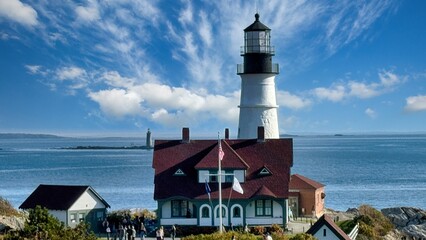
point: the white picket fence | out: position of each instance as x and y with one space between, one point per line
354 233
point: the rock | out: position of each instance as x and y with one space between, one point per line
338 215
417 231
11 223
353 211
409 221
394 234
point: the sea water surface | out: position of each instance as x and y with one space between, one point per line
379 170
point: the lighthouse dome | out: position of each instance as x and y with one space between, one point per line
256 26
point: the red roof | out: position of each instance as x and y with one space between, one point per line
300 182
326 220
276 155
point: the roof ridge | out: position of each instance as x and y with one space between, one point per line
325 219
236 154
264 191
308 181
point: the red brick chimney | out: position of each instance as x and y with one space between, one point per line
226 133
185 135
261 134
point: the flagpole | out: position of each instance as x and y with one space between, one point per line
220 187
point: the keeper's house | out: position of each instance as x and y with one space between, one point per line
262 167
70 204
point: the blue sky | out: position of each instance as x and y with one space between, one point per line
120 67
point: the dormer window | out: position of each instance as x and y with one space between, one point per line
265 172
179 172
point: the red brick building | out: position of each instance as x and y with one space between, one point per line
306 196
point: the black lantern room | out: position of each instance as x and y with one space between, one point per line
257 50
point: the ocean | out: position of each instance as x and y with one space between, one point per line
378 170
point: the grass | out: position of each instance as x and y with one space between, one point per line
6 208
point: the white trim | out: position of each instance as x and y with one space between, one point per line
224 218
179 172
179 221
203 220
236 221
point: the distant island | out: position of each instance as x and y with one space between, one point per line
27 135
106 147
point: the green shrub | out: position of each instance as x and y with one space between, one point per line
303 236
372 223
42 225
347 225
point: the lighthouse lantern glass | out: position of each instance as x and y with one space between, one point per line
257 41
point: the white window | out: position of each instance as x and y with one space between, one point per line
81 217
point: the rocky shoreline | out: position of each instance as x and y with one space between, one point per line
409 222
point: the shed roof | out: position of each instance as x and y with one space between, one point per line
57 197
326 220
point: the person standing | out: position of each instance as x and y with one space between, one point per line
173 232
129 232
105 224
143 231
121 232
133 232
160 233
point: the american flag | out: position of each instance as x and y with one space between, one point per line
221 153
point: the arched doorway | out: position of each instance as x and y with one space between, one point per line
224 215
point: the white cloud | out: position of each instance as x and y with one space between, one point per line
362 90
171 106
185 16
117 102
205 29
371 113
89 13
6 36
70 73
416 103
388 81
288 100
348 20
335 94
114 79
19 12
33 69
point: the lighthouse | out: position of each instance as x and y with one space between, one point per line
258 104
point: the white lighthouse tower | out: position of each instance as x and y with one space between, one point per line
258 104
